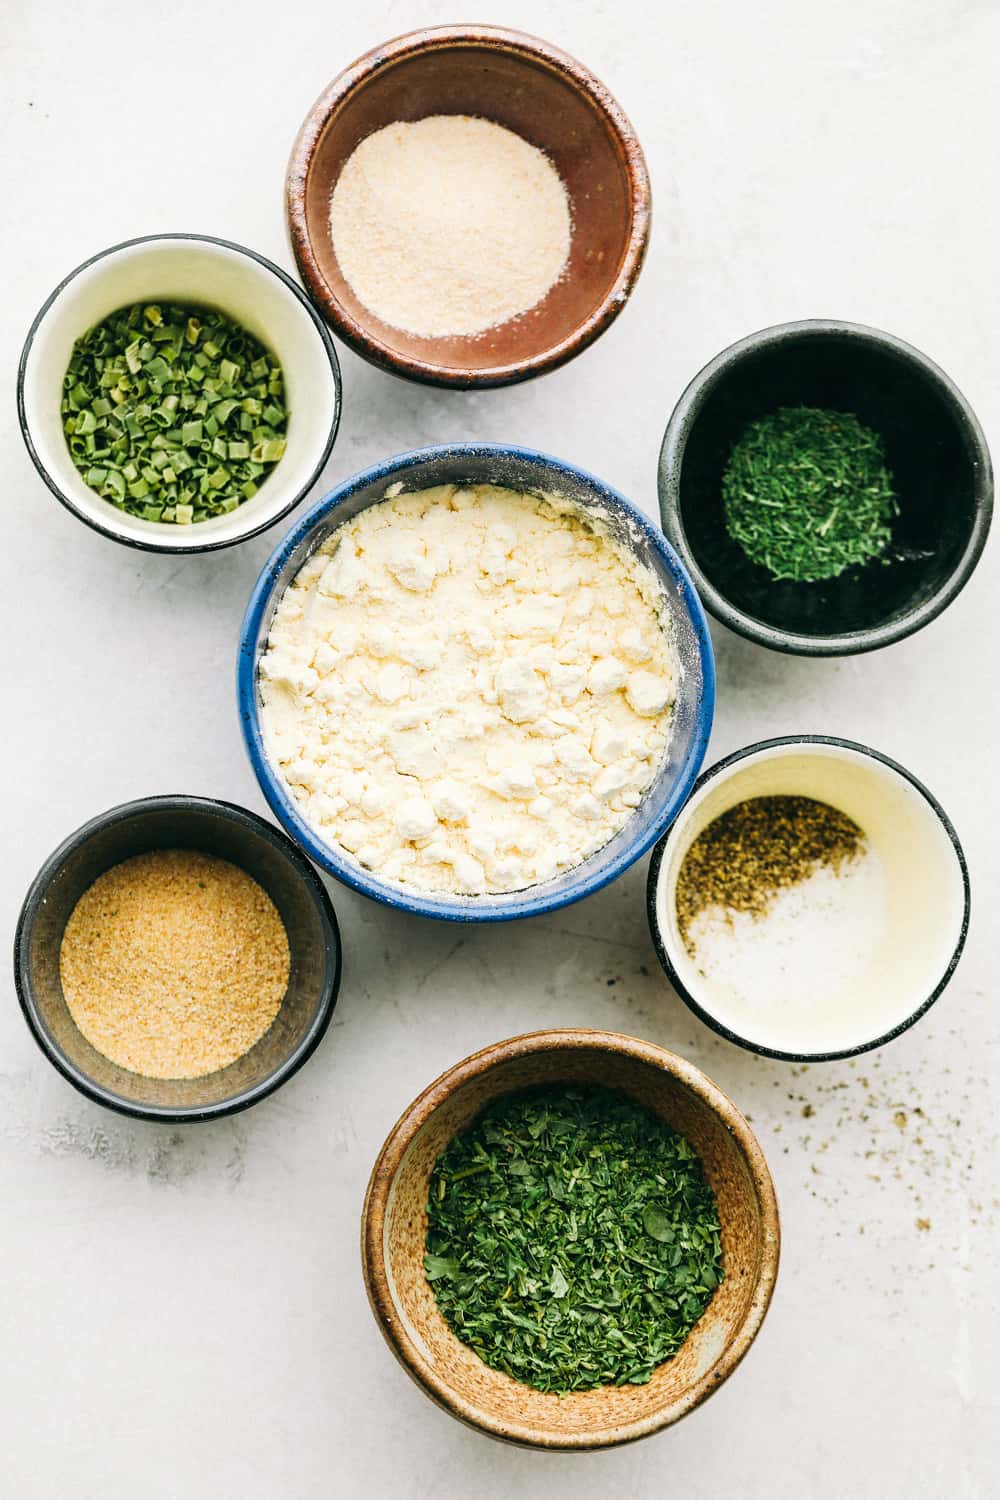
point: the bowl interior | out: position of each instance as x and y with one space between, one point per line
197 272
923 903
517 88
518 470
931 450
311 943
609 1414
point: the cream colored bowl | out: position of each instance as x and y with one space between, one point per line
200 270
924 909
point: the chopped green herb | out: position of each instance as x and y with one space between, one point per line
164 397
807 493
573 1240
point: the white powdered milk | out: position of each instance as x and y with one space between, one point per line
468 689
449 225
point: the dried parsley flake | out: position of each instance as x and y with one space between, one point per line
573 1240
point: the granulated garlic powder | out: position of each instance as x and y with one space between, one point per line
449 225
174 963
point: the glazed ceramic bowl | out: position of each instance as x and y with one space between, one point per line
231 833
547 98
202 271
518 469
921 903
393 1232
936 451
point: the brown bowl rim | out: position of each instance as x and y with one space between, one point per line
415 1116
363 340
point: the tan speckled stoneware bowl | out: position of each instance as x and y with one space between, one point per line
544 96
394 1226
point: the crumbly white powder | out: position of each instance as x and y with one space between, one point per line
468 689
449 225
809 949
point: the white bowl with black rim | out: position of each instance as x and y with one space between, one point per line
196 270
912 943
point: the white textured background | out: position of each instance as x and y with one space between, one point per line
181 1312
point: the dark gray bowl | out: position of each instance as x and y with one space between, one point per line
935 448
216 828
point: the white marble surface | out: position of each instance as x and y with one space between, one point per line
182 1313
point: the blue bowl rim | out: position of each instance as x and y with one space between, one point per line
213 808
456 908
719 1027
329 349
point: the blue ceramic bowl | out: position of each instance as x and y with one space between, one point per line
519 469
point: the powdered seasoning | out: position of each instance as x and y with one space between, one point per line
174 963
449 225
761 846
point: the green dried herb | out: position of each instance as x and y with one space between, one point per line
173 413
807 493
573 1240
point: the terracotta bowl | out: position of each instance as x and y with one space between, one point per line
394 1227
544 96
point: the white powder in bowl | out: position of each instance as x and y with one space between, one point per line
469 690
809 949
449 225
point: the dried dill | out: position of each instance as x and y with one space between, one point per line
761 846
807 493
573 1240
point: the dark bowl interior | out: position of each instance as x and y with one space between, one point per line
934 448
232 834
514 85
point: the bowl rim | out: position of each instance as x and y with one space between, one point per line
396 1145
456 908
441 38
213 808
723 766
671 460
165 546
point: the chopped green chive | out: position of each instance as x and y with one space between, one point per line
183 408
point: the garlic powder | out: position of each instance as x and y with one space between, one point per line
449 225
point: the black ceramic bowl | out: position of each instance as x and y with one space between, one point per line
935 449
217 828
